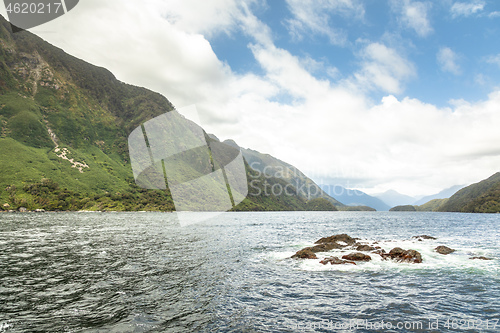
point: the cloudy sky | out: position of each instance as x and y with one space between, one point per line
369 94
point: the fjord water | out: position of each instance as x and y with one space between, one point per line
142 272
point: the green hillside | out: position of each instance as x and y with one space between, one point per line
482 197
271 166
431 206
403 208
64 125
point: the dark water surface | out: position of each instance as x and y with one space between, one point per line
142 272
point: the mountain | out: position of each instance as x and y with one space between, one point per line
354 197
394 198
431 206
482 197
270 166
403 208
446 193
64 125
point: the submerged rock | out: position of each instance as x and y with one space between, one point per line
357 256
422 237
400 255
481 258
305 253
336 261
444 249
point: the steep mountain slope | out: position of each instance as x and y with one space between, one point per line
354 197
64 127
482 197
270 166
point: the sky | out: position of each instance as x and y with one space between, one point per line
367 94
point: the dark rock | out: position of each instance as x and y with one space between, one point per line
400 255
421 237
397 251
379 251
305 253
324 247
336 261
337 238
365 248
481 258
412 256
357 256
444 249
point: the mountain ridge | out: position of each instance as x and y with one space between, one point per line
480 197
64 128
393 198
354 197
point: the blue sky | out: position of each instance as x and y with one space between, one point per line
367 94
453 50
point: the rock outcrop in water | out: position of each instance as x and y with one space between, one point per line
422 237
336 261
342 241
481 258
359 251
305 253
357 256
444 249
325 244
366 248
400 255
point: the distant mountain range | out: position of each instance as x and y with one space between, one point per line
446 193
394 198
354 197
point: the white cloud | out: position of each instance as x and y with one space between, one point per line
314 16
466 8
494 59
447 60
383 68
330 131
494 14
414 15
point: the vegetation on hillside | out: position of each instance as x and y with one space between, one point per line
403 208
431 206
482 197
57 112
